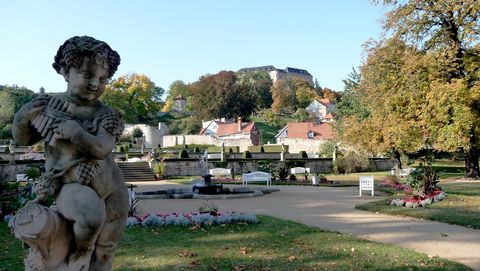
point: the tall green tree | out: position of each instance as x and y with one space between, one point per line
12 98
260 85
449 31
136 96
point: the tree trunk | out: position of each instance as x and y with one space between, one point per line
471 160
397 162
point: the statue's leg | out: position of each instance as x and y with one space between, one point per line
82 205
112 231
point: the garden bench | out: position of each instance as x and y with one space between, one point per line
297 170
216 172
366 183
22 178
256 176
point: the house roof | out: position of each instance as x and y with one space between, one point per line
301 129
179 97
232 128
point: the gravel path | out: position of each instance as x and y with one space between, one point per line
333 209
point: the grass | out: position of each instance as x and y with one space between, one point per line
268 131
461 207
273 244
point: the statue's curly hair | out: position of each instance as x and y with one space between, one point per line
72 52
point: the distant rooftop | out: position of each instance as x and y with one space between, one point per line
272 68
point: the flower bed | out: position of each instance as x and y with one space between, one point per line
419 201
200 219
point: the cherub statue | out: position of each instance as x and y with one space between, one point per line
79 133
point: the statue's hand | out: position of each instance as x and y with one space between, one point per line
30 110
68 129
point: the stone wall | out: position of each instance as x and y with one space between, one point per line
193 167
297 145
153 135
9 172
381 164
173 140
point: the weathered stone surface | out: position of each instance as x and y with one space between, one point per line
85 227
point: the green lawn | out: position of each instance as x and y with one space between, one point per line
268 131
273 244
461 207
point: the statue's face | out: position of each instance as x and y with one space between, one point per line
87 83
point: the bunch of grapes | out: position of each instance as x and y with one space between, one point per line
86 172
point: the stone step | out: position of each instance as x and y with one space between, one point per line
138 171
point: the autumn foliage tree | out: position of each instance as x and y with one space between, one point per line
448 32
222 95
136 96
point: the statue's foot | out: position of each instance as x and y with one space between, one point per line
79 260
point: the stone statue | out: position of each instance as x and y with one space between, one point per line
85 226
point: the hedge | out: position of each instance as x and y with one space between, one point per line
218 149
267 148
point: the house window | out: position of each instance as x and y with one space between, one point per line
311 134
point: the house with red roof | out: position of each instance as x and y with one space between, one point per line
225 129
305 136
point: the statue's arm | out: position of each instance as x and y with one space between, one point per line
95 146
22 130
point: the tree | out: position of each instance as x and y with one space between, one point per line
304 92
177 88
350 103
449 31
260 85
137 132
136 96
302 115
12 98
284 97
222 95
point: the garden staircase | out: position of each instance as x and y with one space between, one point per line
136 171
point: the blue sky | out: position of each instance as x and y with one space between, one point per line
182 40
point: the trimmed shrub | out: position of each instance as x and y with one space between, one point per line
196 149
218 149
303 154
183 154
246 155
267 148
351 162
7 149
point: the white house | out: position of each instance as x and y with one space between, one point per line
321 109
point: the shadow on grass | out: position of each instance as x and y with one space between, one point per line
273 244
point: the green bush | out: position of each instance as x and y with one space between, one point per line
326 149
120 149
217 149
351 162
267 148
183 154
137 132
159 168
33 173
246 155
7 149
303 154
196 149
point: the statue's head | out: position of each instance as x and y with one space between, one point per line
74 50
86 64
